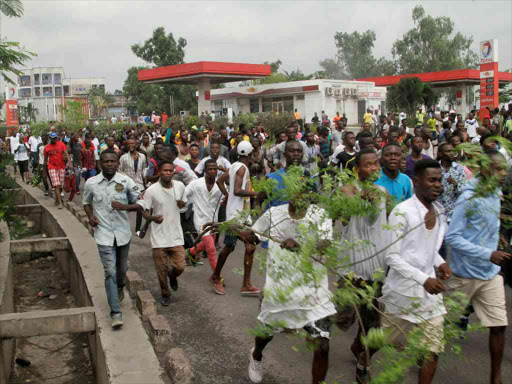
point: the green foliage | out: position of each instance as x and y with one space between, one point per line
74 117
410 93
28 113
432 45
11 56
161 49
12 8
99 100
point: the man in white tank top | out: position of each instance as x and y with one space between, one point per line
238 201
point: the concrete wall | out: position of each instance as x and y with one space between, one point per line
7 347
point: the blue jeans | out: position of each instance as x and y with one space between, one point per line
115 265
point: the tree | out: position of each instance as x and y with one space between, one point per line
74 117
28 113
99 100
275 65
432 45
11 8
410 93
355 59
159 50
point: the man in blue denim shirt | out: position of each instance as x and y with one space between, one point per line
473 235
107 198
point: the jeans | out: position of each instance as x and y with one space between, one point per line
115 265
207 244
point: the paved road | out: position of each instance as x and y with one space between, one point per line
213 331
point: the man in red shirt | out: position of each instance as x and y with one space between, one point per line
54 155
164 118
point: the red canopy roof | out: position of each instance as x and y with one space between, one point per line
216 72
442 78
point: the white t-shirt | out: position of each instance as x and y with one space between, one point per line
471 126
34 142
163 201
221 161
96 143
206 203
310 301
22 153
41 154
235 203
187 175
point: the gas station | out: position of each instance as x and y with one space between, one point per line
488 77
204 74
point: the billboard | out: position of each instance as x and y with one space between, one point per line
489 51
11 113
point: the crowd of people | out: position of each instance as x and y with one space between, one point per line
444 213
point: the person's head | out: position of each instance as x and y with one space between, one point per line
323 132
310 138
394 134
316 114
193 151
239 137
110 142
366 127
417 131
44 138
210 170
455 140
377 142
366 140
53 137
145 140
367 165
368 110
426 134
384 134
471 116
428 179
158 148
293 152
447 153
184 136
223 133
349 139
255 142
391 157
109 161
291 132
132 145
460 126
488 143
417 144
166 169
496 168
214 150
452 117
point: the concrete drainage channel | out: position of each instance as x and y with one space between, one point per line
97 354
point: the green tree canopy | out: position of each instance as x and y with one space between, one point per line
409 94
11 8
432 45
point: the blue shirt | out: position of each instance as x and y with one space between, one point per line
473 234
100 193
278 176
400 188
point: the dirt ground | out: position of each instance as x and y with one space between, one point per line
39 285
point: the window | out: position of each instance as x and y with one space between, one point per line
299 97
47 91
37 79
37 91
58 91
288 103
24 81
66 90
57 79
267 104
254 105
102 86
25 92
47 79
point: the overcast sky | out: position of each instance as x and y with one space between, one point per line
93 38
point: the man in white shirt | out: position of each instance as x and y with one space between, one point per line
471 125
165 198
205 196
33 142
222 163
411 291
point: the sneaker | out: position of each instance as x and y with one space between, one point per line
62 194
255 369
78 193
117 321
217 286
120 293
165 301
463 326
173 281
46 193
137 233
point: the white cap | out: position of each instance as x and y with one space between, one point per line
244 148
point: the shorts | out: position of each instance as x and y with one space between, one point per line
230 240
23 166
487 298
56 177
346 316
315 330
433 331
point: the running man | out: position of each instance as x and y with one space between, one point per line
55 159
205 196
107 197
165 198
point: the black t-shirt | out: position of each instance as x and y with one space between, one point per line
344 158
75 153
192 165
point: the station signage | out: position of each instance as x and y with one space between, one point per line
489 81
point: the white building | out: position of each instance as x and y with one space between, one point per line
308 97
47 87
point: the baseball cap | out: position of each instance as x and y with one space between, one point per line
244 148
53 135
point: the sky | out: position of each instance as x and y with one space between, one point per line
93 38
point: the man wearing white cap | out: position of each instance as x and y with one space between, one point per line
238 196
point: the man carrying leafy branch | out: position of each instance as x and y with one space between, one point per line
294 299
411 292
367 231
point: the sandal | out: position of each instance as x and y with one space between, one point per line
251 291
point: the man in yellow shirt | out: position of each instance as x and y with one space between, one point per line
368 117
420 116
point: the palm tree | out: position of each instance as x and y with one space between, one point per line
11 8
